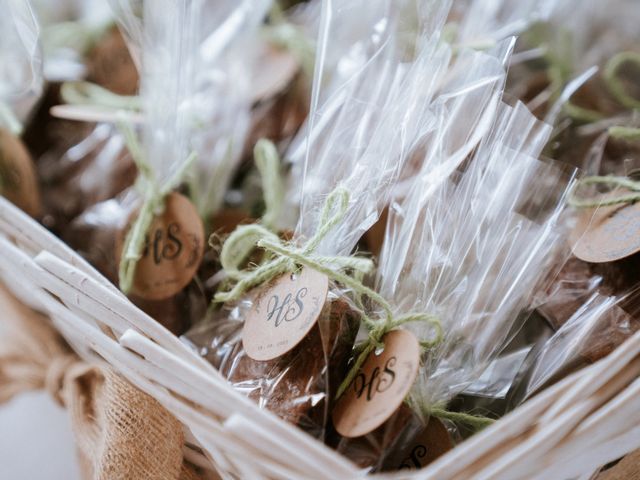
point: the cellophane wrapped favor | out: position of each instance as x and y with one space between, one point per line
354 151
466 245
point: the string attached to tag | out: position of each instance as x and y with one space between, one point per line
153 195
286 257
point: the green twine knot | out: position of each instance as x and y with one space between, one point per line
285 257
153 195
618 182
292 38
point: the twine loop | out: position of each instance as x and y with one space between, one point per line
286 257
617 181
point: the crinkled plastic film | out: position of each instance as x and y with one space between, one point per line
467 243
354 144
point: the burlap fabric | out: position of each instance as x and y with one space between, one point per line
121 432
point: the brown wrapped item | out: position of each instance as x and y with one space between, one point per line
298 386
577 283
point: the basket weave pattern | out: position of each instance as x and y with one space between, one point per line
590 418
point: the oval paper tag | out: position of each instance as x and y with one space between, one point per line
174 246
18 182
283 312
380 386
607 234
433 442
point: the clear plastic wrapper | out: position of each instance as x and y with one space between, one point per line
593 308
353 146
593 331
467 246
21 60
20 88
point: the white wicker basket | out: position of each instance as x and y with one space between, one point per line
569 431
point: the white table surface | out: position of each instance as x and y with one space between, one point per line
36 440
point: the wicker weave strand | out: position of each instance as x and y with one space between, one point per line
121 432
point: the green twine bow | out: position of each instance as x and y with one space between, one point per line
153 195
621 182
287 258
87 93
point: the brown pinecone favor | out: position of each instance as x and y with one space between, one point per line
299 386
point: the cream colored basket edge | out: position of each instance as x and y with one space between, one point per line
569 431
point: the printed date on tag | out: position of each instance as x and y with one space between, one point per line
380 386
283 312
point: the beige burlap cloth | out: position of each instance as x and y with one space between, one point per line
120 432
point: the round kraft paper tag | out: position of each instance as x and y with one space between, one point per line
173 250
380 386
607 234
432 443
283 312
18 181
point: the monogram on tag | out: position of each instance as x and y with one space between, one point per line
608 234
173 249
283 312
18 182
380 386
433 442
